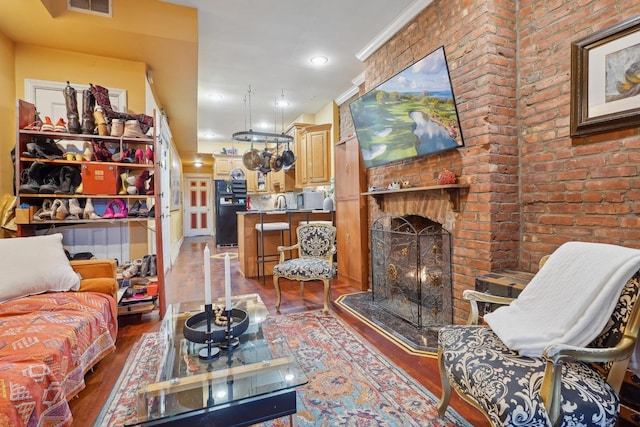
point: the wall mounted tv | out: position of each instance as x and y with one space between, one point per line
412 114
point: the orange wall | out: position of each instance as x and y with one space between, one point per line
7 113
33 62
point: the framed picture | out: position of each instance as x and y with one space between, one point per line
175 180
605 80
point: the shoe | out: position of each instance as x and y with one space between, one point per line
153 266
33 178
141 181
47 126
144 269
101 152
116 209
101 122
59 209
34 126
44 213
143 211
108 212
135 209
139 156
60 126
89 212
117 127
152 212
70 179
129 270
123 183
150 188
148 156
71 102
75 210
87 155
132 130
88 119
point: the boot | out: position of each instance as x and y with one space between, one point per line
123 183
34 178
100 121
70 178
59 209
117 127
141 181
51 180
71 100
153 267
132 130
88 104
46 149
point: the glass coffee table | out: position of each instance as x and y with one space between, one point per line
254 382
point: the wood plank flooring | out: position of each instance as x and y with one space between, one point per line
185 283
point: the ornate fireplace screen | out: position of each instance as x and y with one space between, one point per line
411 270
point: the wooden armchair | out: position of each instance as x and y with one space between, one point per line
316 246
567 385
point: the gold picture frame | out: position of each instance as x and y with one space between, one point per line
605 80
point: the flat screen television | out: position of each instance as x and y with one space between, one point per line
410 115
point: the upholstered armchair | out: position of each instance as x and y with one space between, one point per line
515 383
315 247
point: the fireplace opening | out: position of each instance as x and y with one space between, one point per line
411 274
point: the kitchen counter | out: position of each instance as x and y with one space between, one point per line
247 234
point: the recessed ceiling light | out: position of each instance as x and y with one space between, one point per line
319 60
282 103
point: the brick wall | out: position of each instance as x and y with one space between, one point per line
532 187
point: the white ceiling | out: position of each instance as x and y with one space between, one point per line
268 45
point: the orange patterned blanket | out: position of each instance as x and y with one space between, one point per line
48 342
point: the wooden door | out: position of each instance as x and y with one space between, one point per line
198 205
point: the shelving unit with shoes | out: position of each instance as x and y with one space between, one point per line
100 180
74 178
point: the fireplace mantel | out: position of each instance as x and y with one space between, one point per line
453 190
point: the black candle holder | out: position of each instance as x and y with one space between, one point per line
200 328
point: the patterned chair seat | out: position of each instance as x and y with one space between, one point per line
507 386
304 268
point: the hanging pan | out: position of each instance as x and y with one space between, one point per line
252 159
288 158
276 160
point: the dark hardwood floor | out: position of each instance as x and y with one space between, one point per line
185 283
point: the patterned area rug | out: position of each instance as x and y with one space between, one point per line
350 382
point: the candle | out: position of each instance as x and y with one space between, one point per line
227 282
207 275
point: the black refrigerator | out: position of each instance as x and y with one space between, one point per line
231 198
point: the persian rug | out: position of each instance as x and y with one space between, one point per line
350 382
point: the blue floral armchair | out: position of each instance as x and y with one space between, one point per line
316 246
567 386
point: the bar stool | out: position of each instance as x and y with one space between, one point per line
261 257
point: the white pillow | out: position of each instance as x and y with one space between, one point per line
33 265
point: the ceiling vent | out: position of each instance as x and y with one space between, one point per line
97 7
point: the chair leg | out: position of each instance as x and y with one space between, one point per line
446 387
327 291
278 296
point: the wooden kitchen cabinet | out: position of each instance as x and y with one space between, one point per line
351 214
316 140
225 164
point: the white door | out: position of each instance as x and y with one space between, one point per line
198 215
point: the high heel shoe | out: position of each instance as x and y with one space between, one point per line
148 156
59 209
89 211
150 189
75 210
123 182
87 155
139 156
116 209
143 211
135 209
44 213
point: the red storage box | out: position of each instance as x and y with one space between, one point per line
99 179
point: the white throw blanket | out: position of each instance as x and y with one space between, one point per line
570 299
